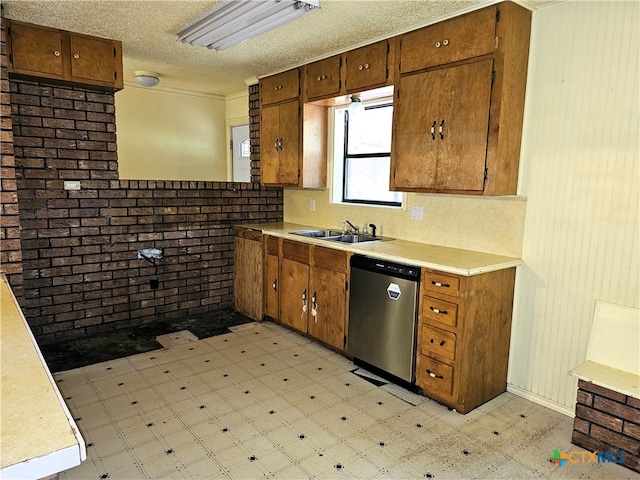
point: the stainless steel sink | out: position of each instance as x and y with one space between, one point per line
348 238
338 236
318 233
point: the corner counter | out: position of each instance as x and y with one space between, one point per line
444 259
38 437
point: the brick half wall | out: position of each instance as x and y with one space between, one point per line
81 274
607 421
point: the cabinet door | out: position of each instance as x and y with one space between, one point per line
36 50
465 97
247 279
460 38
280 87
366 67
294 294
269 151
92 59
328 302
272 278
323 78
414 149
289 158
272 286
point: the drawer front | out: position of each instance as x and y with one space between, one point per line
469 36
439 311
441 283
435 376
323 77
272 246
331 259
295 251
438 343
280 87
366 67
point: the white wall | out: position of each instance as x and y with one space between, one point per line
580 174
170 135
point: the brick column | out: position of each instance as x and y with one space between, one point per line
10 248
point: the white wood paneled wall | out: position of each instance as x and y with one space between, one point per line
580 174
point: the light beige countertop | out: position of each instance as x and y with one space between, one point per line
38 436
444 259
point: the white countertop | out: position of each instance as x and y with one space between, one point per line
38 436
444 259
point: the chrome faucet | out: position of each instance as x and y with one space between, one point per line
354 230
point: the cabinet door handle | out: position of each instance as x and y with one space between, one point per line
275 144
440 130
363 66
280 143
436 310
275 285
435 375
433 130
279 87
438 284
321 77
56 53
445 42
304 302
76 56
442 342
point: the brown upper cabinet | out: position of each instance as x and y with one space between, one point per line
292 135
460 38
323 78
67 58
459 103
366 67
280 87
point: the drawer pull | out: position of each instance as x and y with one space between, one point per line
438 284
436 310
279 87
442 342
435 375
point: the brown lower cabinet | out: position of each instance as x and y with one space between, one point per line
464 330
248 273
306 289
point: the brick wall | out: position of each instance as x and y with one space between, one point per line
11 250
81 274
607 421
254 131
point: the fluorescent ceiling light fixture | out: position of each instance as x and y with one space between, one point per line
231 22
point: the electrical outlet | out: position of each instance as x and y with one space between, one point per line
417 212
312 205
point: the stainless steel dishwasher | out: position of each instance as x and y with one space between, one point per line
383 315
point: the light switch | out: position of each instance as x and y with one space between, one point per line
72 185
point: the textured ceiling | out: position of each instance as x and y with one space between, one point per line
147 29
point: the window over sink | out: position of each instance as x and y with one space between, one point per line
362 155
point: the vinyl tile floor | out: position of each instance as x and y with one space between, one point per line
265 402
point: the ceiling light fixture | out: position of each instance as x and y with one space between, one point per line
146 79
233 21
355 107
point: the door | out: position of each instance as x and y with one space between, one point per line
441 122
414 150
92 59
328 302
240 154
279 144
464 120
36 50
294 298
